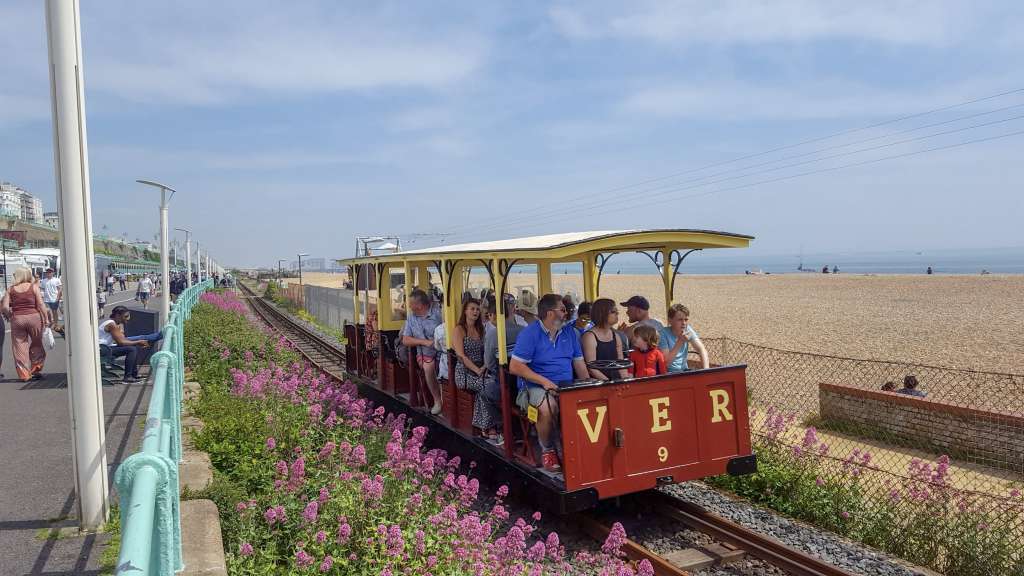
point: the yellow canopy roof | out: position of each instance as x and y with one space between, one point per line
568 245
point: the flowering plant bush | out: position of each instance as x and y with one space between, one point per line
314 479
920 518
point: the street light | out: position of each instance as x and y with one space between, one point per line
165 271
188 255
300 269
280 275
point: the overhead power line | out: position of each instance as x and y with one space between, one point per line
458 230
666 192
799 175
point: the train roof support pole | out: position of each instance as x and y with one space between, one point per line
71 165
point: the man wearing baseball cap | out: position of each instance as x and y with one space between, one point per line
637 310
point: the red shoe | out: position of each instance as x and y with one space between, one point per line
550 461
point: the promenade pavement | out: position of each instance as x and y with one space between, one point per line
36 476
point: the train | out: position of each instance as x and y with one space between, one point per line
618 437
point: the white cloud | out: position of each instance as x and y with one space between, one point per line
755 22
214 53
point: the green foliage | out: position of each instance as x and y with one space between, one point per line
919 518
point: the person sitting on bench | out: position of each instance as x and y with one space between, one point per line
117 344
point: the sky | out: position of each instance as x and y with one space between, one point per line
292 127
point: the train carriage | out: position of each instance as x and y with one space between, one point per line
619 436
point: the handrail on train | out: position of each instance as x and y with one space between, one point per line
147 481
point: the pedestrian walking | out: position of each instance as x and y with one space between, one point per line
53 291
145 289
110 283
23 305
122 280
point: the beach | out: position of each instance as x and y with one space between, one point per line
953 321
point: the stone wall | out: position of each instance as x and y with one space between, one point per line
990 438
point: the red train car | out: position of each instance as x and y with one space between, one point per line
617 437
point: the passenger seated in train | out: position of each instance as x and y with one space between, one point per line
601 342
492 381
677 337
637 311
547 354
418 331
471 371
647 359
441 346
527 307
582 322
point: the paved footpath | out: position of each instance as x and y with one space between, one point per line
36 477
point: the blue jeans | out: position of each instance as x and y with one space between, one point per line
131 358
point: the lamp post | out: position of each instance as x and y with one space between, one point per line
188 255
300 270
165 265
199 263
71 170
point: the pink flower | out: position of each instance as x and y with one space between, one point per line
536 516
616 538
302 559
327 564
271 443
245 549
502 491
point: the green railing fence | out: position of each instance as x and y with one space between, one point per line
147 481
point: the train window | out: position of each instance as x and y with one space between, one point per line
567 278
397 293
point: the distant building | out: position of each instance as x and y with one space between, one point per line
143 245
17 203
50 218
313 264
31 208
10 200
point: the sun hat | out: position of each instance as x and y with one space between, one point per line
527 301
638 301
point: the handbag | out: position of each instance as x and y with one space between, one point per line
48 340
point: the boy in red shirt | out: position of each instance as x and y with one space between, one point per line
646 356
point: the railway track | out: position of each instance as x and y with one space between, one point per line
330 358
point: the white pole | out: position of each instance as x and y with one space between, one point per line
188 260
71 165
199 261
165 267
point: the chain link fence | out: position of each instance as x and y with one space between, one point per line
962 432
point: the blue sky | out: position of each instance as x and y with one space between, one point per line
294 126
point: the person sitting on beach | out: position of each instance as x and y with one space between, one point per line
418 331
888 387
547 353
910 387
601 342
677 337
646 357
637 311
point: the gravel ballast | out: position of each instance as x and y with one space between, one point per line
824 545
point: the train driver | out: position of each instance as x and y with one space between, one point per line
547 353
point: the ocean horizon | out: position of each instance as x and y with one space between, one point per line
993 261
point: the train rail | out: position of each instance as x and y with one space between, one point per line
330 358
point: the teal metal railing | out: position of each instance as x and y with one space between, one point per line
147 481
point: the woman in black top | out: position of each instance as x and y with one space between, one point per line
601 342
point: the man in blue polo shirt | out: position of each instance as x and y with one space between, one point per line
547 354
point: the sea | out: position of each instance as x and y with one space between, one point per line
963 261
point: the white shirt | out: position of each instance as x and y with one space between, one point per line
106 338
50 287
145 285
